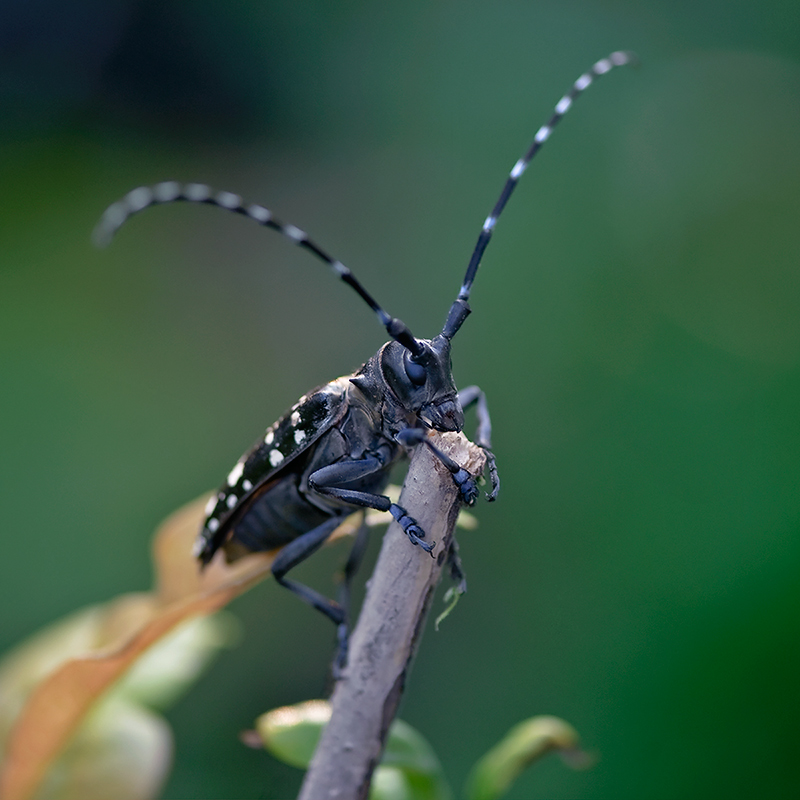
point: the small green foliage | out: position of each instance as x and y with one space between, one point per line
492 775
451 597
291 733
409 769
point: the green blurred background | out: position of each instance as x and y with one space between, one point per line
636 326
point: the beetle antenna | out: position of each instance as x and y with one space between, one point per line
117 214
460 309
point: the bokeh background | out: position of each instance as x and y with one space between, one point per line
636 326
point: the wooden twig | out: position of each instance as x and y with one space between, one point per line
389 627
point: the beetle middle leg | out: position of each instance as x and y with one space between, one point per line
327 482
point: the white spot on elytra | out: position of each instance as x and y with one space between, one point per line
210 506
246 485
275 457
269 438
235 474
299 436
212 525
295 418
302 400
231 501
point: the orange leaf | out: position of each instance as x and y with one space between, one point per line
130 625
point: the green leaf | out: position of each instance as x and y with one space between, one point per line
409 769
492 776
409 764
291 733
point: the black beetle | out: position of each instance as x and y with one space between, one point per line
333 451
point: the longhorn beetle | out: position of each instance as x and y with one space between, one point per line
333 450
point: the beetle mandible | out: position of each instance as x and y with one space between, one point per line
332 452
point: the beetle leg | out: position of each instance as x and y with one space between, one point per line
326 480
463 480
298 550
456 567
473 395
409 525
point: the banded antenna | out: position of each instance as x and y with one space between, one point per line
117 214
460 308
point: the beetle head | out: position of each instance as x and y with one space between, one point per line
423 383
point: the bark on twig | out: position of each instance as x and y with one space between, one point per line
392 618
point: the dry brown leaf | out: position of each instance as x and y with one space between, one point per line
130 625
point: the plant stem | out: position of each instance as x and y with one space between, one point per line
399 595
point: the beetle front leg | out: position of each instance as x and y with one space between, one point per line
462 479
327 482
474 395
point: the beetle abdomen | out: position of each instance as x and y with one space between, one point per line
280 515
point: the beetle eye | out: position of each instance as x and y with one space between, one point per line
416 372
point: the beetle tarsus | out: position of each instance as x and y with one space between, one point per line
462 479
491 465
409 525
